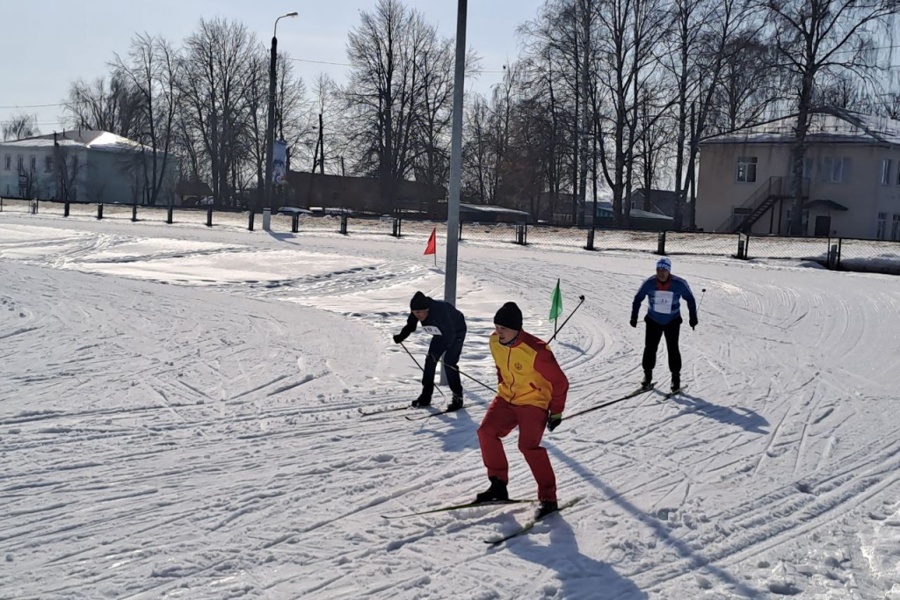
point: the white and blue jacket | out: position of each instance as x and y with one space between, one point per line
665 299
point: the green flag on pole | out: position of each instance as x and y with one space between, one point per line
556 303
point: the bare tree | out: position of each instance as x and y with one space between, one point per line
19 127
105 105
213 80
323 114
815 39
487 136
748 87
708 37
151 70
559 54
431 138
629 35
387 90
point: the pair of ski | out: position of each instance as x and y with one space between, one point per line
523 529
417 417
628 396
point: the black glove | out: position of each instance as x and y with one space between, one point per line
398 338
553 421
634 321
693 321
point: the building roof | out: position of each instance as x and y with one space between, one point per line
634 213
833 125
661 201
87 138
827 204
492 208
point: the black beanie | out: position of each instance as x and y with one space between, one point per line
419 302
509 316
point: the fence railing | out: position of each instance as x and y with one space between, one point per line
833 253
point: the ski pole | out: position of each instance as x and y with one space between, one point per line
702 293
598 407
457 369
581 298
420 367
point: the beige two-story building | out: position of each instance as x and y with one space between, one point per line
851 179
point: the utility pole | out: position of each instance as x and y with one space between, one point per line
270 122
456 156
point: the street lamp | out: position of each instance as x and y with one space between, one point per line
270 123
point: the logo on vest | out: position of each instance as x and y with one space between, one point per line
518 366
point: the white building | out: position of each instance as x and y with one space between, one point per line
85 166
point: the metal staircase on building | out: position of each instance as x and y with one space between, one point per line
754 207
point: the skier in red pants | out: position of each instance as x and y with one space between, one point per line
531 395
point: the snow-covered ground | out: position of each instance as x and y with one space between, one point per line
179 418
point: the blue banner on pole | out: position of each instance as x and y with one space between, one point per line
279 158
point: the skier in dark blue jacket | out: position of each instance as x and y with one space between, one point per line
665 292
448 326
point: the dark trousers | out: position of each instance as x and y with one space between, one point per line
654 334
451 360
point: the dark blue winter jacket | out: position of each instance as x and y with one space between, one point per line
444 321
665 299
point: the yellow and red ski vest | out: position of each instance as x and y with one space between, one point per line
527 373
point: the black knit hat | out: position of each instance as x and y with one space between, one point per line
420 302
509 316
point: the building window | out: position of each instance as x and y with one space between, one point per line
746 169
8 162
885 171
33 164
895 229
882 225
835 170
48 164
20 164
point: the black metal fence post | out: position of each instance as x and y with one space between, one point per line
661 243
134 212
344 224
522 234
396 227
250 224
209 217
295 223
590 240
99 211
65 209
169 212
834 254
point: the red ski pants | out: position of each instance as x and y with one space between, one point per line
500 419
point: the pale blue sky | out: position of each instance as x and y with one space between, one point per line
46 45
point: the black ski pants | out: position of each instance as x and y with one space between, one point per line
653 335
451 359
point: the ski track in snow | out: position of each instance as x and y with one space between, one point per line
203 439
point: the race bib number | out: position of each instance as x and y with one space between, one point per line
431 329
662 302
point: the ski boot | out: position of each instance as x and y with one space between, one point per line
456 403
496 493
648 379
676 382
547 507
422 402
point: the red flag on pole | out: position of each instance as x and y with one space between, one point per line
431 248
